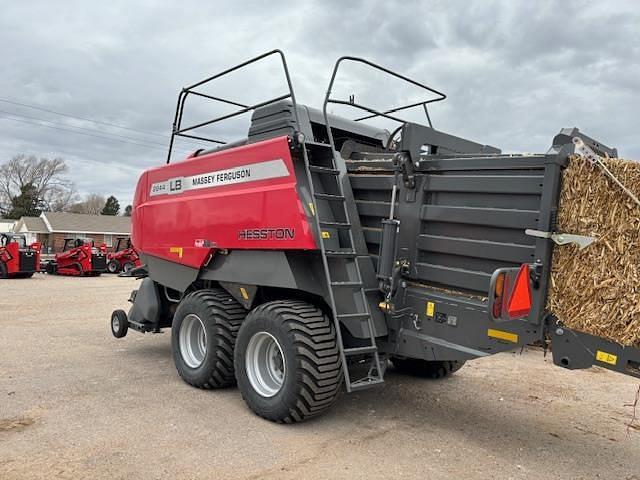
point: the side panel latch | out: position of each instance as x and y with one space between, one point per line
582 241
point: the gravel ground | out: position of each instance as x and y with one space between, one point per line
77 403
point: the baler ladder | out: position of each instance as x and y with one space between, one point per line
331 214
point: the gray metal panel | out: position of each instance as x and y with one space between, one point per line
471 214
520 184
171 274
475 163
495 217
509 252
453 277
372 182
373 209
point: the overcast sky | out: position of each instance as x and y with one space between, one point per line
515 72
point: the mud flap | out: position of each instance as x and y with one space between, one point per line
144 314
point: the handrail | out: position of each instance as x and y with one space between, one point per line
178 130
374 113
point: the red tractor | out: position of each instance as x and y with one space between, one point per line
17 259
123 258
79 258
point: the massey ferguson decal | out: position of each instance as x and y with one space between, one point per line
267 234
218 178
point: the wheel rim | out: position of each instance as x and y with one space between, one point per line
127 267
112 267
193 341
265 364
115 323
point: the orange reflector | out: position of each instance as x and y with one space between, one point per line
499 285
520 301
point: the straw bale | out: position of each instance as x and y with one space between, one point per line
597 290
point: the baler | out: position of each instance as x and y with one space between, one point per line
318 250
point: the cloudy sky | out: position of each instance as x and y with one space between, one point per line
515 72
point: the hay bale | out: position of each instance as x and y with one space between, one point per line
597 290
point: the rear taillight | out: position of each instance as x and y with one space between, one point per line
498 293
510 296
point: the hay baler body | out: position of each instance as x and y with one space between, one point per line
17 259
402 242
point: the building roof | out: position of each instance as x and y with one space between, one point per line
83 223
63 222
6 226
30 224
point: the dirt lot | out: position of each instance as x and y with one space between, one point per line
77 403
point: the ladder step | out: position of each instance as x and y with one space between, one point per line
346 284
317 144
326 196
365 383
325 170
338 254
352 316
343 225
360 350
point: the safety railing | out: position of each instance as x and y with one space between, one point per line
179 131
372 112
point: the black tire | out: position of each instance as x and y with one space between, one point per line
52 268
312 369
3 270
23 275
127 267
435 369
220 315
113 266
119 323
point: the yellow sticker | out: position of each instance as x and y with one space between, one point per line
244 293
605 357
177 250
430 309
326 235
502 335
312 208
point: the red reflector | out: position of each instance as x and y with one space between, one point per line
520 301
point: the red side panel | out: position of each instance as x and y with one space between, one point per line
74 261
10 256
242 198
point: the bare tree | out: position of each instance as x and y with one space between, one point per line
92 204
45 176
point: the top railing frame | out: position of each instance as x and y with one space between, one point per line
177 129
372 112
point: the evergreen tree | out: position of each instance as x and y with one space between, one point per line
111 206
26 204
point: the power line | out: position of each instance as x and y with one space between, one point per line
149 142
55 127
34 107
99 122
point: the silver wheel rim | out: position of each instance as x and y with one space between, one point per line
193 341
265 364
116 323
